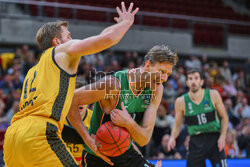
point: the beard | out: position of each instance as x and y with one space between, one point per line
194 88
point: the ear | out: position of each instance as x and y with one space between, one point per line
147 65
202 82
56 41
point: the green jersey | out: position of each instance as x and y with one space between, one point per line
201 118
136 105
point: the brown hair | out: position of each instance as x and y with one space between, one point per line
194 70
161 53
47 32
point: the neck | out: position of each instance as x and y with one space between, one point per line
135 79
196 96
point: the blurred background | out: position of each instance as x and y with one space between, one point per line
212 35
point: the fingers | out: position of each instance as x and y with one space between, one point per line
130 7
135 11
118 11
171 145
116 19
123 7
106 159
122 106
220 147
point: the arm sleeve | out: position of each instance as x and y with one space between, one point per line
70 135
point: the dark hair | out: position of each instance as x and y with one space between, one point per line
194 70
161 53
47 32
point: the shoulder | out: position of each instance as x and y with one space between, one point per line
180 100
214 93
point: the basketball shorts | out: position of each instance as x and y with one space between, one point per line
205 146
35 141
130 158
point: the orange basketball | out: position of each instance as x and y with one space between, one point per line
112 140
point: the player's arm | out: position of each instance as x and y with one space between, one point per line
218 104
107 38
87 95
179 114
140 134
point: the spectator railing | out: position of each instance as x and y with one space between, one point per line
206 31
41 4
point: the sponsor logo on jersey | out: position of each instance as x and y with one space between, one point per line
206 105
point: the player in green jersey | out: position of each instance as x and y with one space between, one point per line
130 99
206 120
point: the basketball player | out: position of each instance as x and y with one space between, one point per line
86 114
206 120
77 149
130 99
34 137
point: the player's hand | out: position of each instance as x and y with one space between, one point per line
120 117
126 15
158 164
221 143
91 144
171 143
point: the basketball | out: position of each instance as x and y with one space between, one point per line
112 140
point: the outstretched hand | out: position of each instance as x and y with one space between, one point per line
126 15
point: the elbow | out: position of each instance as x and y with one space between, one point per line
144 142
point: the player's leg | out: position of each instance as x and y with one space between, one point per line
218 159
196 154
89 160
36 143
195 161
131 158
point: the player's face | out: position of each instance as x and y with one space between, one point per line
65 35
159 73
194 81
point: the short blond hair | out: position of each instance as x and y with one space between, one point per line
48 31
161 53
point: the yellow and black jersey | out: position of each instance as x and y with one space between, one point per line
77 149
47 91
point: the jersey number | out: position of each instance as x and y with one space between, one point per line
73 147
31 89
202 119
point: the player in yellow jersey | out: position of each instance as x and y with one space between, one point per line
77 149
34 137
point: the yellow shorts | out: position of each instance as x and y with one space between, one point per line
35 141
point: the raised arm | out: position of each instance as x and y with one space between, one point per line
110 36
140 134
179 114
218 104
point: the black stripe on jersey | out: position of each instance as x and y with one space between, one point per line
61 97
53 57
193 120
85 116
68 121
58 147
